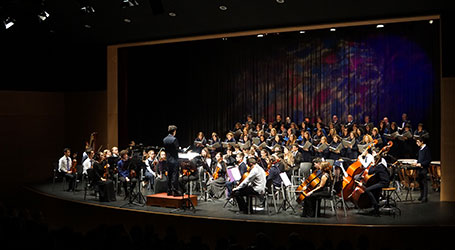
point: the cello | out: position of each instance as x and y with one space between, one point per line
357 196
309 184
353 170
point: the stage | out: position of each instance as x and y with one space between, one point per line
211 220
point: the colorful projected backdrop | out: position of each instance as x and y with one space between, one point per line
215 83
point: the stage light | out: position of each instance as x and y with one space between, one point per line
380 26
129 3
127 20
88 9
260 35
302 32
222 7
280 1
43 15
224 38
9 22
172 14
332 29
430 22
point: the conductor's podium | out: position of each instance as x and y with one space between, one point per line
163 200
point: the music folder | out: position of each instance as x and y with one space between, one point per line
346 143
306 146
338 148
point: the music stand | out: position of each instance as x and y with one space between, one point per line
186 202
286 203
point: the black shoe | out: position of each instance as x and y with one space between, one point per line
425 200
420 198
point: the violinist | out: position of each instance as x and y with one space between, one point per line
262 160
150 163
273 177
64 167
101 174
322 190
161 174
124 166
253 184
88 162
217 183
239 162
379 169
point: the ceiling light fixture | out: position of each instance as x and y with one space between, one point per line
332 29
172 14
280 1
9 22
380 26
302 32
129 3
260 35
430 22
43 15
222 7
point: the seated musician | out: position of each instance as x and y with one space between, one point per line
101 178
379 168
322 190
217 183
64 167
88 162
188 173
253 184
150 163
273 177
240 163
124 167
199 143
161 174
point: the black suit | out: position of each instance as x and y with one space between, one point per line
424 159
374 190
171 146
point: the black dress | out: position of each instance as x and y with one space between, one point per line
106 188
309 203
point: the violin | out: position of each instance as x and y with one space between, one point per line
216 175
133 173
106 171
73 168
248 169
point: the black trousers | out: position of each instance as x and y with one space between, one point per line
309 203
422 180
183 181
127 185
173 177
70 178
239 194
373 192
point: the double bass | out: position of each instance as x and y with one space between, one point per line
353 170
357 196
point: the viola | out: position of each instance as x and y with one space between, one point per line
309 184
354 169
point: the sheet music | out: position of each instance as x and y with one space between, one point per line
321 147
307 145
338 148
346 143
285 179
234 174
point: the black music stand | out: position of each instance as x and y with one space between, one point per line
186 202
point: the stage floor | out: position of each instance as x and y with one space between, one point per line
413 213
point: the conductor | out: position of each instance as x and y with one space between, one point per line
171 146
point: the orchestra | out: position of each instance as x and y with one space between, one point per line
345 159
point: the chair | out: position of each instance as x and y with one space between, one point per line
334 199
252 200
391 204
57 176
89 183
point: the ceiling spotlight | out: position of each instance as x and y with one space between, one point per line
260 35
88 26
129 3
222 7
224 38
127 20
87 9
8 22
380 26
172 14
43 15
332 29
280 1
302 32
431 21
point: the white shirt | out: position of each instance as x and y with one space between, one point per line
256 178
86 165
148 167
64 164
367 160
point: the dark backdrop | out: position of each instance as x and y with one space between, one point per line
209 85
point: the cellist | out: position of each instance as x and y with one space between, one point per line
322 190
379 168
